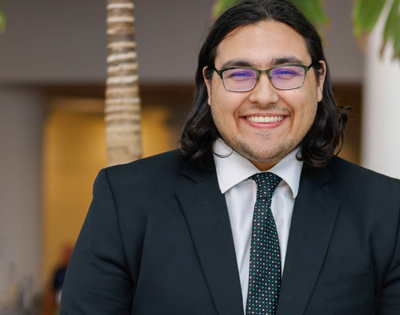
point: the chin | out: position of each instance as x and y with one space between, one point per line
271 155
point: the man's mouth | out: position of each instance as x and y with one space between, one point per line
266 119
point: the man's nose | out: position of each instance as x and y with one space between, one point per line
264 93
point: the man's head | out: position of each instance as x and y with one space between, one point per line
264 123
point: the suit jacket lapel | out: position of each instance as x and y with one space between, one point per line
313 220
207 216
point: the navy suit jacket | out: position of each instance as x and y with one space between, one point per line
157 241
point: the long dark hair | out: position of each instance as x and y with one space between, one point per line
327 131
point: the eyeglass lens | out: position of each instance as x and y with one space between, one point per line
285 77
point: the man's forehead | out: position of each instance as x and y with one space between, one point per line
264 43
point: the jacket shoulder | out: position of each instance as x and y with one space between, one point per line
340 165
354 176
164 163
163 172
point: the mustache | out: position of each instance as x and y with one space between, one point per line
275 108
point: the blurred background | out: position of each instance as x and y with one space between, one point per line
52 139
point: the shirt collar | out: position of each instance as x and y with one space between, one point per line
226 160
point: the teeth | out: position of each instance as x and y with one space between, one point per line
264 119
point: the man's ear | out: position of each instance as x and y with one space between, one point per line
321 80
207 80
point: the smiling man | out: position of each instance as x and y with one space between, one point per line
264 117
254 214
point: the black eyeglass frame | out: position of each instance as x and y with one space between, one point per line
267 72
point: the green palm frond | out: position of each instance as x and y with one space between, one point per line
396 40
392 27
365 15
313 10
2 19
222 5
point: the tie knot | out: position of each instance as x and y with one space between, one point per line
266 184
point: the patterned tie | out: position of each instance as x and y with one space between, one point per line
265 258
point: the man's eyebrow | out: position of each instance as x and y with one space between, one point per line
286 59
235 63
274 62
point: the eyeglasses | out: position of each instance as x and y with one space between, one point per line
244 79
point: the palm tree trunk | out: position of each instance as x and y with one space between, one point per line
122 108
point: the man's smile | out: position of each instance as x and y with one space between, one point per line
266 119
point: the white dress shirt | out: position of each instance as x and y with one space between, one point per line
233 171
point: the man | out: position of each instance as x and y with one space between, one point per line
206 230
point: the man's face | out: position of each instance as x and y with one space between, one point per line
261 46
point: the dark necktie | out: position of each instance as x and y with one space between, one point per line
265 258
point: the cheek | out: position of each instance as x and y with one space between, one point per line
224 101
310 116
303 107
220 109
209 93
309 112
212 89
320 94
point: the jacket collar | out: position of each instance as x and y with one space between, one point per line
314 217
206 213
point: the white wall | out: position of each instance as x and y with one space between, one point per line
59 41
341 48
380 146
21 120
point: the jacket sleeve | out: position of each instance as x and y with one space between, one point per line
390 298
98 280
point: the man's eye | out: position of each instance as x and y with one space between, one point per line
239 74
285 73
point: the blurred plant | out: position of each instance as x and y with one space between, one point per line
365 16
2 20
367 12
